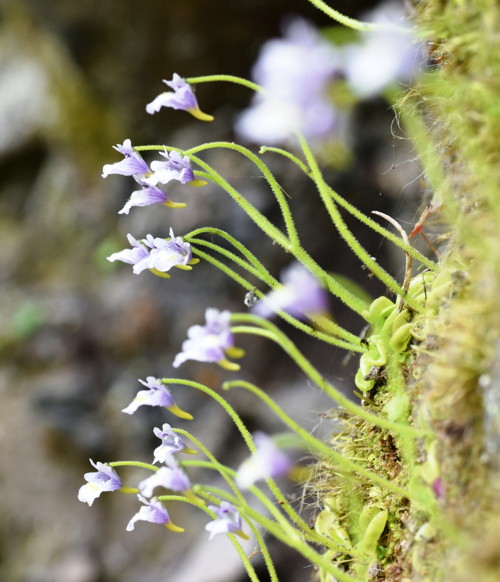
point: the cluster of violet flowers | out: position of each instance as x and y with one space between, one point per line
292 80
267 461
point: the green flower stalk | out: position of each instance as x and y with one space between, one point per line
265 328
247 437
292 310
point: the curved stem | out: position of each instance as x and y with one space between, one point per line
267 329
249 256
374 225
260 220
271 230
292 244
295 542
226 473
318 445
227 79
247 437
286 154
271 180
340 200
350 342
241 553
133 464
351 22
231 256
346 234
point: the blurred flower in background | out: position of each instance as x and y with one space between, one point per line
294 73
268 461
299 74
300 295
382 57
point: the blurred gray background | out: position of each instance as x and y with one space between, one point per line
77 332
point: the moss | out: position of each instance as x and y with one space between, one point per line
445 383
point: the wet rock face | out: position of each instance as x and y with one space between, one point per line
77 334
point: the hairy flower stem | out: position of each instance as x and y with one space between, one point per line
352 22
270 230
286 154
267 329
227 79
241 552
361 216
292 247
319 446
247 437
249 256
346 234
407 248
133 464
351 343
262 222
305 531
271 180
293 541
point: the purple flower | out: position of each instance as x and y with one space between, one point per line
166 254
154 512
171 477
300 295
211 342
105 479
383 56
175 168
157 394
228 520
170 443
266 462
132 164
147 196
295 73
182 97
157 254
137 255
